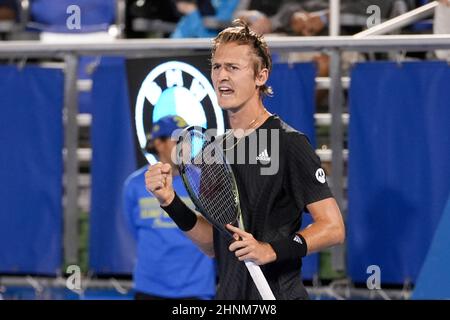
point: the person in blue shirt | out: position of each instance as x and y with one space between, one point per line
203 18
168 264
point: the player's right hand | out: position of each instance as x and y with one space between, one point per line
158 181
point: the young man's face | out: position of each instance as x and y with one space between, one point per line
233 75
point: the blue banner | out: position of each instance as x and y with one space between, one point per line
31 140
433 281
111 247
294 90
293 101
399 165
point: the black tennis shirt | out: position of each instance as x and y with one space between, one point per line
272 203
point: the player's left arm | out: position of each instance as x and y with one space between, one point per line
309 186
327 228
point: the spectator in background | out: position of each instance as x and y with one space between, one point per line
442 25
169 265
52 16
9 18
203 18
8 10
310 17
262 22
151 18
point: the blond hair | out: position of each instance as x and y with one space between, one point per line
240 33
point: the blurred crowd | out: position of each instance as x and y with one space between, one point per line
203 18
35 19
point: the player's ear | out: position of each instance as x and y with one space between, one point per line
261 77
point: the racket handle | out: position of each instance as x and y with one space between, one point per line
260 280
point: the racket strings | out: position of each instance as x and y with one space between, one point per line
213 190
211 181
225 199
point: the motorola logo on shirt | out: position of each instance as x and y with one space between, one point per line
320 175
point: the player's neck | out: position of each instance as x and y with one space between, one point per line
248 117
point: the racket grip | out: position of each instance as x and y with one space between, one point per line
260 280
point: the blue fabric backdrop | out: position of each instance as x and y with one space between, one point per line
433 281
111 248
399 165
294 96
293 101
31 140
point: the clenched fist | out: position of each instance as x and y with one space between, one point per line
158 181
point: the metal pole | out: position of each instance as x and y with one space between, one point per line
335 11
402 20
165 47
337 138
120 17
71 161
337 146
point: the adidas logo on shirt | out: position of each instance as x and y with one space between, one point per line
263 156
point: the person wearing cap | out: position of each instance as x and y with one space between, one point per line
168 265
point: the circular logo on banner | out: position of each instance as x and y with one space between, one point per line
320 175
176 88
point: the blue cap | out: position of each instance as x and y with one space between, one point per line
163 128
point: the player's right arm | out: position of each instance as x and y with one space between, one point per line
158 181
202 236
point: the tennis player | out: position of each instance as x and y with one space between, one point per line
272 205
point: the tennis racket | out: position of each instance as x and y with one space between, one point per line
211 185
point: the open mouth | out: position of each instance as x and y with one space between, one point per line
225 91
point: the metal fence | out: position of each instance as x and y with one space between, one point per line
334 46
